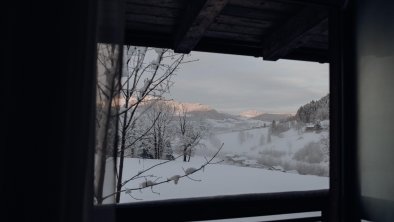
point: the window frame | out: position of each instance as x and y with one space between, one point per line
331 201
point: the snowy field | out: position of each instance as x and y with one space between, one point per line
251 162
215 179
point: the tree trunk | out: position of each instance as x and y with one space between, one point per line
121 156
184 154
155 142
103 133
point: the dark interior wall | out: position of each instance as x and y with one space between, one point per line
47 111
375 68
47 77
343 116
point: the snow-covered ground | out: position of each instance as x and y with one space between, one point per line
252 163
215 179
254 160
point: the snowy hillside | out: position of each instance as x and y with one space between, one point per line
283 151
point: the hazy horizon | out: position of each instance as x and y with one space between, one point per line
233 84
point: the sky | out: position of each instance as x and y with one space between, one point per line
232 84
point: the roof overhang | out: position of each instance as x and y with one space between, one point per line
272 29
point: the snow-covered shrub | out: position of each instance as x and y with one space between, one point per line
278 128
306 168
299 125
273 153
312 169
289 165
271 157
267 160
145 154
311 153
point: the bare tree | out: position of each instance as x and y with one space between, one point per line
108 73
160 117
146 77
190 134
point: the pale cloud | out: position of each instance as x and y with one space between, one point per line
236 83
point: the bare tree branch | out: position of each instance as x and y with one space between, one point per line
144 171
167 180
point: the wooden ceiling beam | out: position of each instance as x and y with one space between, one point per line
329 3
294 32
197 17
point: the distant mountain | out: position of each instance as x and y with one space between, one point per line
315 110
250 113
212 114
178 105
190 107
271 116
200 111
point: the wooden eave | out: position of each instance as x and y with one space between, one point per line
271 29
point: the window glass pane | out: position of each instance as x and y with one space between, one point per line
208 124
